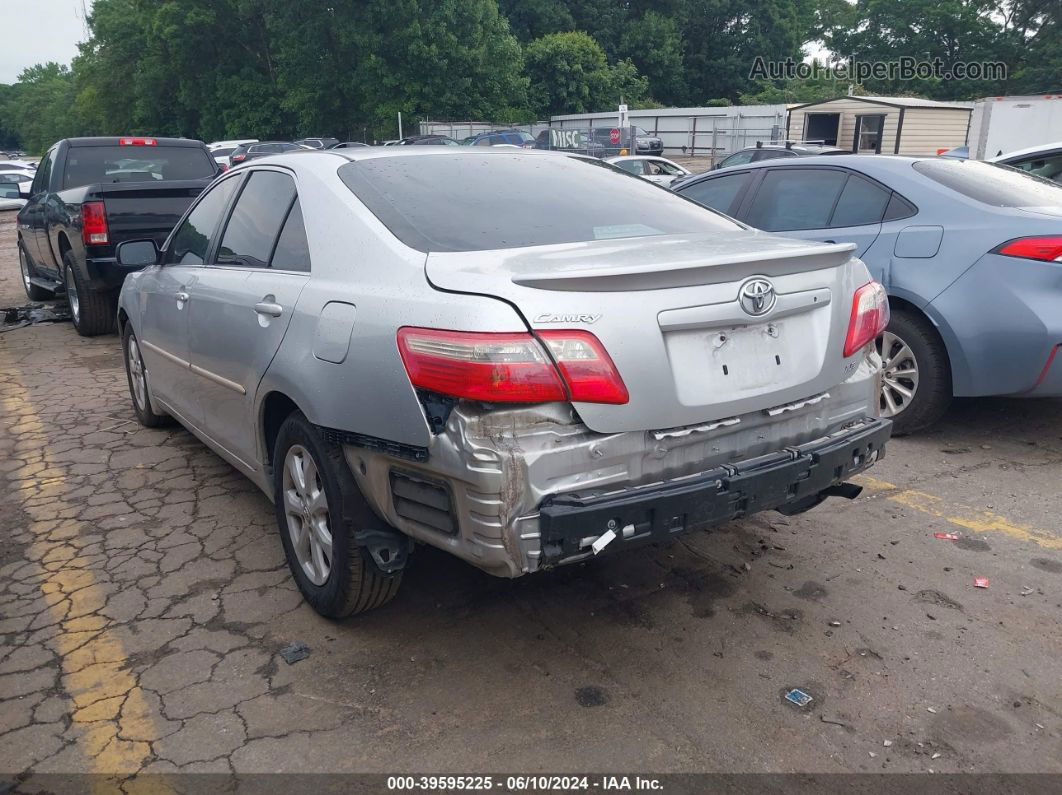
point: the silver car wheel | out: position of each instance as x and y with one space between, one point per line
899 374
24 267
136 374
306 509
71 297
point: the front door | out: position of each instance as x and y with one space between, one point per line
31 217
241 305
166 292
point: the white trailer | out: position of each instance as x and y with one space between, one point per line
1005 124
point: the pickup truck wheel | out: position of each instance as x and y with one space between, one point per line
136 375
33 291
916 374
319 509
91 311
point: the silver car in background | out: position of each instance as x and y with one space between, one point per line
523 358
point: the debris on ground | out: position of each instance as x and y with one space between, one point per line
931 709
295 652
15 317
886 743
980 582
798 697
1026 590
947 536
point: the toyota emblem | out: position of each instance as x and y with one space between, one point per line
757 296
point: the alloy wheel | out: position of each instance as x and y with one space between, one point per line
136 374
71 296
899 374
24 267
306 511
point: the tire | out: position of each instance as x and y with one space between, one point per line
136 377
352 582
33 292
92 311
916 362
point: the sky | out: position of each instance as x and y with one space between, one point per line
38 31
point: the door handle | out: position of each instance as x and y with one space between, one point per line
266 308
834 242
181 296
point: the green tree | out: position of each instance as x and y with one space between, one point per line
570 74
653 43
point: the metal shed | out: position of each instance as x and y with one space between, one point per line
876 125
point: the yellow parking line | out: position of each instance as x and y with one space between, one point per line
107 701
959 515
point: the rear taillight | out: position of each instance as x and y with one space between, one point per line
238 158
586 367
1045 249
94 224
511 368
137 142
870 316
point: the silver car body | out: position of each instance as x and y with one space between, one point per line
666 308
654 169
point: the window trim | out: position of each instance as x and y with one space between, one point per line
215 241
238 176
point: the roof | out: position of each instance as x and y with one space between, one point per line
1032 150
895 102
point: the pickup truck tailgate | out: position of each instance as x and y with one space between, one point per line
138 210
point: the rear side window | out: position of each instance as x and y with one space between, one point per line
899 208
718 193
996 186
631 166
256 220
796 198
44 172
192 239
86 165
862 202
292 252
449 202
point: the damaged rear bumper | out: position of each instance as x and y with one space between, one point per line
573 526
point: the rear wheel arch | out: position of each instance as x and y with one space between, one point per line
276 407
897 304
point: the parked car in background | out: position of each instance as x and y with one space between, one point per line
317 143
349 145
498 137
425 140
221 150
398 353
571 140
245 152
762 151
646 143
655 169
1040 161
21 166
90 194
967 251
13 190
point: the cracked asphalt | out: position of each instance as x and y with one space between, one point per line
144 599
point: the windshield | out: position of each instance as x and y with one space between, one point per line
992 184
86 165
498 199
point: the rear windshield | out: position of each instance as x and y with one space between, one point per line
499 199
995 185
86 165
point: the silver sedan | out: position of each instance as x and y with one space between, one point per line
523 358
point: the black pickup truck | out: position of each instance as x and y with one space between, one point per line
88 195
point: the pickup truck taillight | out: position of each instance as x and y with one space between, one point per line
511 367
1045 249
94 224
870 316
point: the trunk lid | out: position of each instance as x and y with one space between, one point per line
667 310
139 210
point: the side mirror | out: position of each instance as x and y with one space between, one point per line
137 253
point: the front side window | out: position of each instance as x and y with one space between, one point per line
632 166
447 202
256 219
719 193
738 159
44 173
192 239
796 198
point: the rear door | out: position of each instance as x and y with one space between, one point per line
164 298
831 205
242 302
